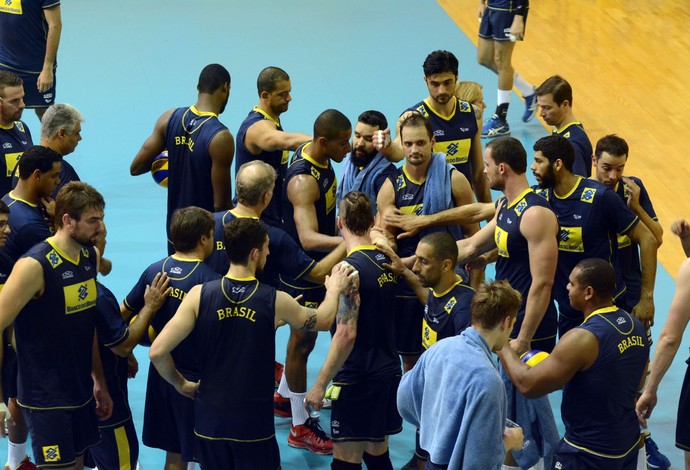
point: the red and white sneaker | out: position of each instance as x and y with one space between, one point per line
277 372
310 436
26 464
281 406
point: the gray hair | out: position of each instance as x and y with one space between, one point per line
59 116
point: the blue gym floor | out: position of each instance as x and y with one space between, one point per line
123 63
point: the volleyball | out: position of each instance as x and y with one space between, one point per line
533 357
159 169
148 337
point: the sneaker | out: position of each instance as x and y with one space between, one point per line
495 127
412 464
26 464
530 107
310 436
277 372
281 406
655 459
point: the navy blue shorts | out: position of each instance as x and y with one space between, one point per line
496 25
683 421
32 97
366 411
237 455
408 325
168 418
119 448
571 458
58 437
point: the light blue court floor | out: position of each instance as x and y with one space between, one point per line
124 63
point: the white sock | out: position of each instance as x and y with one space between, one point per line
15 453
191 465
283 389
642 459
503 96
526 89
299 412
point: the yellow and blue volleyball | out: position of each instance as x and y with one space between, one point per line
534 357
159 169
148 337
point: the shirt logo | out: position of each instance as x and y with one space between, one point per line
620 320
54 259
449 306
51 453
67 274
399 182
315 173
83 292
238 290
380 257
464 129
588 195
20 127
7 145
520 207
79 297
570 239
501 239
439 133
452 149
176 270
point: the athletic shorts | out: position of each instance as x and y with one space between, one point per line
59 436
311 296
571 458
408 325
9 372
119 448
236 455
168 418
365 411
496 25
683 421
32 97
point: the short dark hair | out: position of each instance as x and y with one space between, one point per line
417 120
510 151
187 226
357 212
269 78
440 62
38 158
74 198
493 302
556 147
613 145
251 188
4 208
443 246
212 77
373 118
598 274
242 235
8 79
558 87
330 124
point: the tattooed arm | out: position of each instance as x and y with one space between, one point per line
309 319
341 345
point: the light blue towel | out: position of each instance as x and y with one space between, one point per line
438 192
362 181
537 422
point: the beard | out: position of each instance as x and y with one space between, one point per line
548 179
363 160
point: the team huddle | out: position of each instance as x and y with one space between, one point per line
389 255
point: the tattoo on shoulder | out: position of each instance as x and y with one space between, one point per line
310 322
348 306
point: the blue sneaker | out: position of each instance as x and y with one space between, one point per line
495 127
655 459
530 107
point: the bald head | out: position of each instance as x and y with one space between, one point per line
254 180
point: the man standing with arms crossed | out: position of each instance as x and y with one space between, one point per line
200 148
261 137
